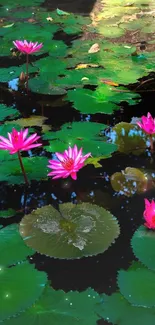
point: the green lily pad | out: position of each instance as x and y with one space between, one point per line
31 32
7 112
25 3
45 87
7 74
143 245
102 100
138 286
129 138
12 247
35 168
110 32
58 307
88 101
117 310
20 287
7 213
61 12
84 134
129 181
84 230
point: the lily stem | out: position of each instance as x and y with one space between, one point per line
27 71
22 168
151 143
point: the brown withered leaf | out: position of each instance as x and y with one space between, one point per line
109 82
94 48
86 65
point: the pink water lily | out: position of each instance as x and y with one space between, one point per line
149 214
147 124
17 141
68 163
27 47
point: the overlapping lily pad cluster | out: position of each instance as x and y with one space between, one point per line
136 295
92 76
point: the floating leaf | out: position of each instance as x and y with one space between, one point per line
8 26
84 230
138 286
7 213
84 134
7 112
94 48
102 100
117 310
94 161
41 86
30 121
35 168
20 287
12 247
86 65
58 307
129 181
143 245
62 13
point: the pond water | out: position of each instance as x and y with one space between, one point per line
92 260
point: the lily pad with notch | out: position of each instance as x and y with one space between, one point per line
76 231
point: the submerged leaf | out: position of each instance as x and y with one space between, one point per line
129 138
84 230
129 181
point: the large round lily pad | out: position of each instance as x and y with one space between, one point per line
138 286
84 230
12 247
143 245
117 310
20 287
58 307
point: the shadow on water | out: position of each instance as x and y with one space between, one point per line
77 7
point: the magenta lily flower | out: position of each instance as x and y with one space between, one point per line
147 124
18 141
149 214
68 163
27 47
